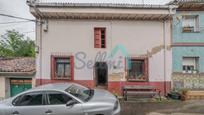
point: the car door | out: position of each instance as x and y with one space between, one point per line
56 104
29 104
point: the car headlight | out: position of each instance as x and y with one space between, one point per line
115 105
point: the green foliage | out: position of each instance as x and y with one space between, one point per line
14 44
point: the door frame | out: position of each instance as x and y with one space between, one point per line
96 77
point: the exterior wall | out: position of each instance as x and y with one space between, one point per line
7 88
2 87
179 36
188 81
180 52
180 80
139 38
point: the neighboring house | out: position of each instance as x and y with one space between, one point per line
16 75
188 45
90 44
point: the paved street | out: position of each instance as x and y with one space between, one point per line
163 108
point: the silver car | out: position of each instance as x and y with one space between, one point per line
61 99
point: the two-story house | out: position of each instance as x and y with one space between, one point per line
188 45
105 45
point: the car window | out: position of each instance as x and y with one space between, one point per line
16 100
55 98
30 99
80 92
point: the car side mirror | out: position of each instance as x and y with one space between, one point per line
71 103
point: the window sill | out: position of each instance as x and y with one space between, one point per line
62 79
100 48
190 31
188 74
137 80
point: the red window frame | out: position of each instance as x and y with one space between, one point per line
145 75
98 37
53 67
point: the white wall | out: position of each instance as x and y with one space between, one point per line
138 37
2 87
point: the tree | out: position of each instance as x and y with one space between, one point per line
14 44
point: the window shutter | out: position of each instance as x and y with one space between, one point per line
146 67
52 67
97 38
72 67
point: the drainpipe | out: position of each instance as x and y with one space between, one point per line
33 4
40 51
164 42
171 11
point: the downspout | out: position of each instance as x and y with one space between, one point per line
164 42
40 51
33 4
171 8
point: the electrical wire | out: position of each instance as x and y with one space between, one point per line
16 17
13 22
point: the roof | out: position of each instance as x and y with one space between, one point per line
17 65
189 1
130 2
99 3
189 5
100 10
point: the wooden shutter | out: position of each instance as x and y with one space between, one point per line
53 70
97 38
72 67
146 67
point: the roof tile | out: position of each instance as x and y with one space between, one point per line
25 64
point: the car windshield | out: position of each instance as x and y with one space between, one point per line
80 92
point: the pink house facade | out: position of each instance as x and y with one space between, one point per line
103 45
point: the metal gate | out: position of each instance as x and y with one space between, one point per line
19 85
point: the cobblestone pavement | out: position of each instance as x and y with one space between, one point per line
163 108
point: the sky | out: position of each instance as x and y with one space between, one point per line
20 8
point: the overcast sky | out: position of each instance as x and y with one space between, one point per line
19 8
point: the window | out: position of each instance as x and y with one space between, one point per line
99 37
62 67
29 99
137 70
57 98
190 64
190 23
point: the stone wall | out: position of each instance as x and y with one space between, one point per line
187 81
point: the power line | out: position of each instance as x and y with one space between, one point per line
27 32
13 22
16 17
